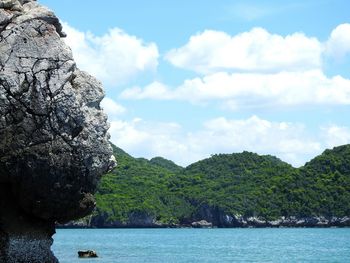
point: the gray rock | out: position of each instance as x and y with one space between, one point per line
87 254
141 219
53 133
255 221
201 224
343 221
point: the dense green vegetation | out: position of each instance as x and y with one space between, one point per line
244 183
139 185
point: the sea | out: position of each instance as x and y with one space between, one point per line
217 245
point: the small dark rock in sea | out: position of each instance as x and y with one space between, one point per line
87 254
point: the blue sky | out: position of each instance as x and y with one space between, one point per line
186 79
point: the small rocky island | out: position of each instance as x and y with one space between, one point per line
226 190
53 134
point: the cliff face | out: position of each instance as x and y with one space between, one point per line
53 134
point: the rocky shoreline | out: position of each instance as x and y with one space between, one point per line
207 216
230 222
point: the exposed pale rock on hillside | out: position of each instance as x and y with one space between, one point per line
53 133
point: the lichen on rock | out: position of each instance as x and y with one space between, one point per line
53 133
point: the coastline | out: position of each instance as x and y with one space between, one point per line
239 222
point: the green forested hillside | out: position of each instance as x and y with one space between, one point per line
244 184
167 164
139 186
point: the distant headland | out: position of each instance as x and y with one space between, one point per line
226 190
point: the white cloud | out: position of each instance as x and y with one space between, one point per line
253 89
338 44
155 90
256 50
148 139
335 135
112 108
288 141
255 69
115 57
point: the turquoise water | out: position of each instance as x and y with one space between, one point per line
205 245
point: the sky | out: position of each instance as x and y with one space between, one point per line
186 79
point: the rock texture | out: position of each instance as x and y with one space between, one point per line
201 224
53 133
218 218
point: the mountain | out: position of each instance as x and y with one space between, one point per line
167 164
226 190
137 192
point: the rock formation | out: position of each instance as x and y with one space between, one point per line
53 134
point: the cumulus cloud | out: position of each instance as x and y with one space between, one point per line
335 135
148 139
115 57
112 108
256 50
155 90
251 69
288 141
253 89
255 69
338 44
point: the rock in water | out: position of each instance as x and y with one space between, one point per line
87 254
53 133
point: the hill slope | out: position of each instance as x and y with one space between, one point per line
137 192
241 189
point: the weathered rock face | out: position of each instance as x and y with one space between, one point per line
53 134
